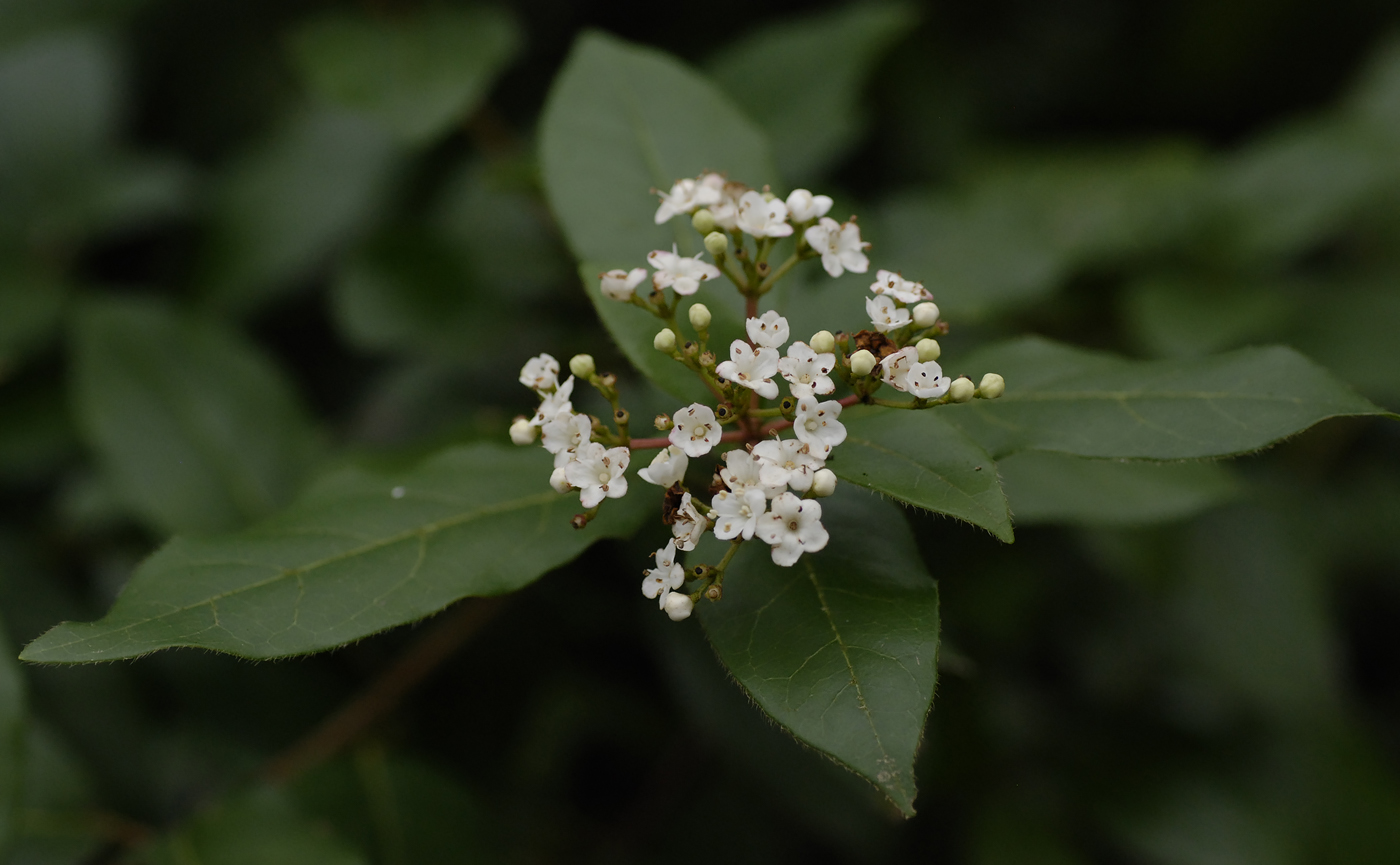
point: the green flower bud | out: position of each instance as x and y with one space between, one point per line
992 386
961 390
665 340
703 220
928 350
926 314
862 362
822 342
581 365
699 316
716 243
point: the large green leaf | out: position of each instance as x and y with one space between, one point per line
916 457
263 826
361 551
801 80
842 648
417 74
1093 404
13 721
1056 488
198 430
622 119
282 208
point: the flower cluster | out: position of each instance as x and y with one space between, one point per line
767 484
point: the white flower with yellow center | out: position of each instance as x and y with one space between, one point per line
792 527
598 473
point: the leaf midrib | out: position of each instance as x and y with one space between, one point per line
424 532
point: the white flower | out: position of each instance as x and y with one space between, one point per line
840 246
566 432
695 429
816 425
792 527
769 330
598 473
690 524
540 374
743 471
621 284
667 574
885 314
751 367
555 404
679 272
806 370
726 212
666 468
763 218
688 195
890 283
677 605
787 462
894 368
926 380
737 513
803 206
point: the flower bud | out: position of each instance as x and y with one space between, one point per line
992 386
928 350
699 316
926 314
581 365
522 432
662 422
559 482
678 606
961 390
862 362
665 340
822 342
703 221
823 483
716 243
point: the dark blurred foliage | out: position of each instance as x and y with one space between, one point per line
1222 687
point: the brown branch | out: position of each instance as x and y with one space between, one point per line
385 693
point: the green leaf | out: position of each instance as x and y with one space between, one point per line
359 552
622 119
283 208
418 73
263 826
918 458
198 430
802 80
1186 316
1056 488
1353 334
31 305
1093 404
842 648
14 706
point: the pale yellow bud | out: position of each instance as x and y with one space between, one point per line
928 350
703 221
926 314
581 365
823 483
992 386
522 432
961 390
822 342
665 340
862 362
699 316
716 243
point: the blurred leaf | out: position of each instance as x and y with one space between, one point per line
13 721
802 80
1185 316
36 432
417 73
263 827
1352 331
1196 825
59 796
622 119
25 19
1093 404
1021 227
1376 98
197 428
31 303
1045 487
917 458
633 330
285 207
359 552
1293 190
406 810
842 648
